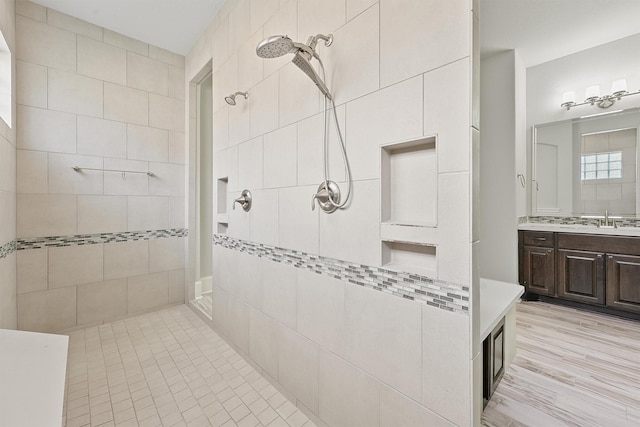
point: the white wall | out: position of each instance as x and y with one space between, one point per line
599 65
8 305
339 340
501 148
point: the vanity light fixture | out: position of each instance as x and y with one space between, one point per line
592 96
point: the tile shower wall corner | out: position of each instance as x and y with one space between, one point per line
95 99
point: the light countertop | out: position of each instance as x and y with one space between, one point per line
32 376
583 229
496 299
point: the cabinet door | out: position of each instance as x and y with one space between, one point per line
623 282
539 270
581 276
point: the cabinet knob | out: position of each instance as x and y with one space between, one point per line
610 256
599 256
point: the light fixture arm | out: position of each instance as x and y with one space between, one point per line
604 101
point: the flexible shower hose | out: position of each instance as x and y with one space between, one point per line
343 148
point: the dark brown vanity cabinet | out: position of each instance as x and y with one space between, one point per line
623 282
581 276
596 270
537 264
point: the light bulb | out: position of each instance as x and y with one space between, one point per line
619 87
593 93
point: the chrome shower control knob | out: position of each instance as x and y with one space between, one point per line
244 200
325 195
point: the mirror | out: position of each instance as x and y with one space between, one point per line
586 166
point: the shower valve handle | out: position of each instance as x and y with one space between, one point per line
244 200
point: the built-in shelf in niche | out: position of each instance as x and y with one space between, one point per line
411 257
222 194
409 184
222 228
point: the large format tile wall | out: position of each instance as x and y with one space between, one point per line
8 305
400 70
95 99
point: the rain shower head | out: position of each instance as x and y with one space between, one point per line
231 99
301 60
275 46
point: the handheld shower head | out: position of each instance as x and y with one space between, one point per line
301 60
231 99
275 46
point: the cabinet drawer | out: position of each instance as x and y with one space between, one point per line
538 238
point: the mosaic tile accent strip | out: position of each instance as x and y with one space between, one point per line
92 239
8 248
414 287
576 220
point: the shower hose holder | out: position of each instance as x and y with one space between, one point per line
331 190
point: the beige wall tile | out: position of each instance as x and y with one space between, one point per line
72 93
63 179
263 341
73 25
98 137
102 214
177 214
166 113
166 254
439 31
145 143
45 45
339 382
299 97
446 360
31 169
132 184
32 270
168 179
279 292
166 56
321 310
176 286
40 215
46 130
8 300
31 10
237 324
102 61
7 216
147 74
102 301
148 213
8 166
382 331
31 84
398 410
47 311
73 265
300 357
125 42
177 147
280 155
126 104
264 106
147 292
176 83
125 259
355 7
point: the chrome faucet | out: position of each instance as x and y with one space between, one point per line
606 223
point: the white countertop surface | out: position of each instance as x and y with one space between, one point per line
577 228
496 299
32 375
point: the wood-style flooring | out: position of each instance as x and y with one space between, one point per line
572 368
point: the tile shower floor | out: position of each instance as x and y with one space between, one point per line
167 368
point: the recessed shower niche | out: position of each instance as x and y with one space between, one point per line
409 184
411 257
222 217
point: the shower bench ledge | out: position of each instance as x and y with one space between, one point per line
32 377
